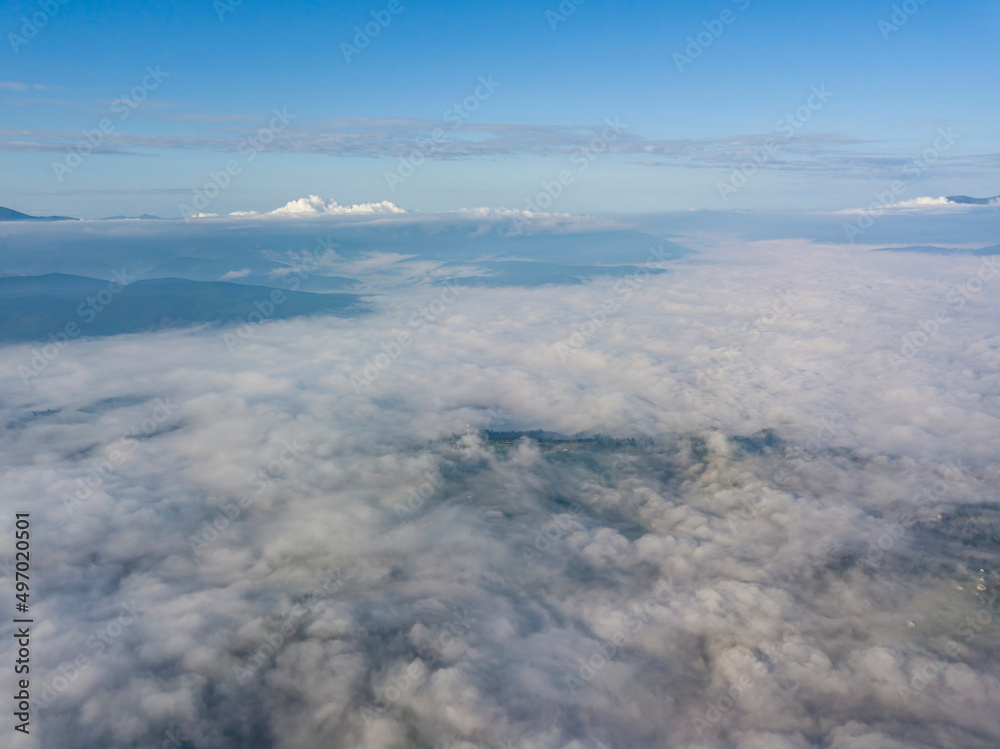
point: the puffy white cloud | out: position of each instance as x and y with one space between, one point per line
926 204
316 206
923 202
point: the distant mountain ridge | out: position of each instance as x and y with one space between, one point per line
934 250
535 273
34 308
145 216
966 200
9 214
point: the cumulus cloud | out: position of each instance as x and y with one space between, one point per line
924 202
927 204
316 206
251 550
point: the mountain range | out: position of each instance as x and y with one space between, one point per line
934 250
36 307
966 200
9 214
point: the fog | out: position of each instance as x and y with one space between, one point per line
292 538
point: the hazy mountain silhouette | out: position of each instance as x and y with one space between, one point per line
35 307
9 214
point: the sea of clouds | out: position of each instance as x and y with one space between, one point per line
247 548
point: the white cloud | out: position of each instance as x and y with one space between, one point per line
487 212
233 274
18 86
923 204
316 206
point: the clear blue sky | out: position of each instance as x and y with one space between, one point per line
686 130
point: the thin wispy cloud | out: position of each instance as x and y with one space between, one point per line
19 86
827 153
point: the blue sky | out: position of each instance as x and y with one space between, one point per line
684 130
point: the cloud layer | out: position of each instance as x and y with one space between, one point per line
249 549
927 204
785 149
316 206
